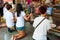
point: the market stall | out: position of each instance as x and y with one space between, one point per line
54 33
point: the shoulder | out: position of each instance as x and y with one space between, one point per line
7 12
37 18
4 8
22 12
47 21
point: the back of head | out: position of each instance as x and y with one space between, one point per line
19 8
43 9
6 3
9 7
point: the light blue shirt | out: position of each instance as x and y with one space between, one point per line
49 10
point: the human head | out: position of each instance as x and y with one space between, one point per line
9 8
42 3
42 9
19 8
5 4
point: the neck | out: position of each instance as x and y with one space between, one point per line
43 15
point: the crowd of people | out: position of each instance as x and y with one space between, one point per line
15 20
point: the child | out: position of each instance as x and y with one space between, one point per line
20 16
9 18
41 30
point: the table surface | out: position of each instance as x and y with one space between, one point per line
55 33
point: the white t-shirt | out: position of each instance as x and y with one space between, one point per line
41 31
20 19
4 12
9 17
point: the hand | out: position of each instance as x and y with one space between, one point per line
30 14
13 37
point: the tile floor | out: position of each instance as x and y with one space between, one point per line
5 35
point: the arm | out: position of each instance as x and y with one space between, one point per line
14 17
48 25
27 17
35 23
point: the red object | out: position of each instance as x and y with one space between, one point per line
28 2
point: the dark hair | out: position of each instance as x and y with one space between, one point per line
5 3
9 6
43 9
19 8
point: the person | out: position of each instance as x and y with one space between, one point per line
40 32
9 18
28 2
5 9
20 16
36 10
49 9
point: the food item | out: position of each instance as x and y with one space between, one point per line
58 27
53 25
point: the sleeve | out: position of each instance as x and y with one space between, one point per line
9 16
23 14
4 12
34 23
48 25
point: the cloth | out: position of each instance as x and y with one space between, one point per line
28 2
19 28
20 19
41 31
29 10
4 12
9 18
9 30
49 10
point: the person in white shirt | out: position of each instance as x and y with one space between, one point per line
40 33
9 18
20 16
5 9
